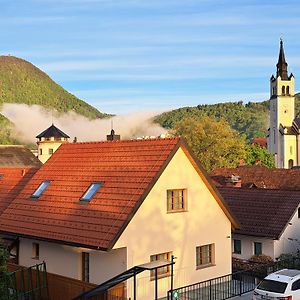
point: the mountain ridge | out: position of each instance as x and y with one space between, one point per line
21 82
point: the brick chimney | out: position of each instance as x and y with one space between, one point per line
233 181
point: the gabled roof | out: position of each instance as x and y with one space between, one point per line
261 212
261 177
17 156
128 170
12 181
52 131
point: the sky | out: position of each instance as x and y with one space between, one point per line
123 56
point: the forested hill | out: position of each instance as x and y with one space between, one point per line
22 82
249 119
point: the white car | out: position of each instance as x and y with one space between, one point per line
281 285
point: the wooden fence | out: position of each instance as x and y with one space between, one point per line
65 288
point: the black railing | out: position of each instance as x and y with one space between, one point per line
219 288
231 285
27 283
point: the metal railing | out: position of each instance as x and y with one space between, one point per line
219 288
231 285
27 283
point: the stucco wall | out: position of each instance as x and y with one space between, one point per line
289 241
45 146
290 144
66 260
247 246
153 230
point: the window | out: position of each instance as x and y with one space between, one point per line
291 149
283 90
40 189
296 285
299 213
163 271
288 90
257 248
85 266
176 200
35 250
50 151
237 246
291 163
205 256
91 191
41 151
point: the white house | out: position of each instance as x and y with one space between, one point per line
94 210
269 218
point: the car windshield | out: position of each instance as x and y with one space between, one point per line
272 286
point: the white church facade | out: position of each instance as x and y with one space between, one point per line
283 135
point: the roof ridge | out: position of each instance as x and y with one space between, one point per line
121 141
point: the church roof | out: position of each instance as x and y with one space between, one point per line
52 131
282 64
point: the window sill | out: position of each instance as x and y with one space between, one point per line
205 266
176 211
36 258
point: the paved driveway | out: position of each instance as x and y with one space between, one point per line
247 296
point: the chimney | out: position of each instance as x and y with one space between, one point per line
233 181
258 162
112 136
75 140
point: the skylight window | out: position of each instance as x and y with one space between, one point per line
40 189
91 191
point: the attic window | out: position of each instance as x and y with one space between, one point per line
91 191
40 189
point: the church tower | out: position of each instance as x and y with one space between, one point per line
282 138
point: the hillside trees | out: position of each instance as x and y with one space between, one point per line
256 153
214 142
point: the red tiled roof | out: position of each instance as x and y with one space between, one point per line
261 212
17 156
12 181
128 169
259 176
260 141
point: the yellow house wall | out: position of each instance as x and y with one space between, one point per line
152 230
289 142
45 146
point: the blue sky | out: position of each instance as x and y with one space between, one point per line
128 55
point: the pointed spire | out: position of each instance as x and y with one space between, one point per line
282 64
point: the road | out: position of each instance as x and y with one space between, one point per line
247 296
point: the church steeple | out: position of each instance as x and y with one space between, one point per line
282 64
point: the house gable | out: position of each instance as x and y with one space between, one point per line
153 230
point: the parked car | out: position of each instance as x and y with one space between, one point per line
281 285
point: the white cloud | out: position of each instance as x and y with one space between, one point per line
38 119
